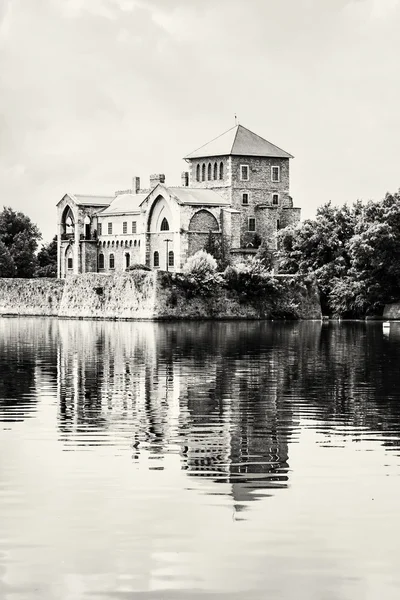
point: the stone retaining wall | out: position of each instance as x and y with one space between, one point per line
144 295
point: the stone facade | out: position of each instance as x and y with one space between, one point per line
240 193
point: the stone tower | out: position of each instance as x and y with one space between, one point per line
253 175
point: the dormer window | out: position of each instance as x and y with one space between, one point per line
275 174
244 172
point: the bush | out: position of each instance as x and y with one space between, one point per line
251 280
138 267
199 276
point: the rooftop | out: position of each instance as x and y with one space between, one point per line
239 141
197 196
124 203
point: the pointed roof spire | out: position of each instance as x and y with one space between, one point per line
239 141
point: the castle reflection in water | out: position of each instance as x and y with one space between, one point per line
224 400
204 391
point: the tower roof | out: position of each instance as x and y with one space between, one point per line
239 141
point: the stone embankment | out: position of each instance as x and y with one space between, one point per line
145 295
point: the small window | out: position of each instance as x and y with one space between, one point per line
275 174
203 173
110 228
156 259
170 258
112 261
135 243
209 171
278 224
101 261
244 172
198 173
124 227
275 199
245 198
133 226
221 170
164 225
127 260
70 263
215 171
252 224
99 229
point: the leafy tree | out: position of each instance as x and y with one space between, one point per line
20 237
215 246
47 260
321 246
7 266
354 253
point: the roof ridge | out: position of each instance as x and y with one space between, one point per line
234 139
213 140
264 139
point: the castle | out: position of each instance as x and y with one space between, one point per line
236 186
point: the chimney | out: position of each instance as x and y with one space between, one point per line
185 178
155 179
135 185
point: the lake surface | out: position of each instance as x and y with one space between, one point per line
199 460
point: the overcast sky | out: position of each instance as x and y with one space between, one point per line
93 92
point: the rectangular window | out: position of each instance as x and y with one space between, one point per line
245 198
99 228
124 227
275 199
244 172
275 174
252 224
69 263
133 226
110 228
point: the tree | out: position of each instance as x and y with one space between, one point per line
7 267
20 237
354 253
47 260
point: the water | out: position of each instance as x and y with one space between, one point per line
199 460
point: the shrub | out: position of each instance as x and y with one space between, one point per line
138 267
199 275
251 280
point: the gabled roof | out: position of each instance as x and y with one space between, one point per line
123 204
84 200
239 141
197 196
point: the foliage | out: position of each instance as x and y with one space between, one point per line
19 237
215 246
47 260
199 276
265 256
251 280
138 267
7 266
354 252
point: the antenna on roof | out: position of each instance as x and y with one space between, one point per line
236 120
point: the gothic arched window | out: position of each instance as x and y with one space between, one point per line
221 170
198 173
156 259
164 225
209 171
215 171
203 172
